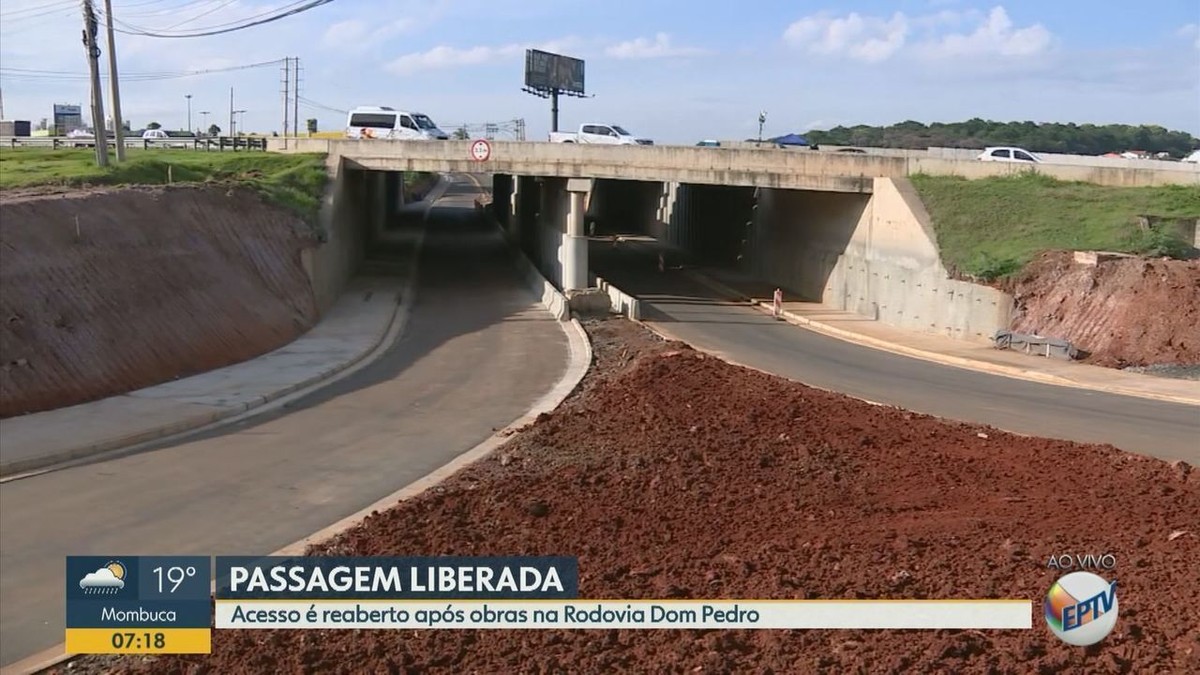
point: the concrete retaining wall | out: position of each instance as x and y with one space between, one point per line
344 227
874 256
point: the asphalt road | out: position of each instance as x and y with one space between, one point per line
694 314
477 352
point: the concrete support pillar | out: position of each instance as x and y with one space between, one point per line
379 202
398 189
502 187
575 243
528 193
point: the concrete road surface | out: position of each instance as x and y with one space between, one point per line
693 313
478 351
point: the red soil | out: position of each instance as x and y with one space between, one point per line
1123 312
674 474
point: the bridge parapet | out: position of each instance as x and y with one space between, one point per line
757 167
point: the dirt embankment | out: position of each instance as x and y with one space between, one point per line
676 475
107 291
1123 312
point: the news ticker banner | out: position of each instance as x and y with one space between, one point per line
163 604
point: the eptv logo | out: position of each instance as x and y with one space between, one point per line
1081 607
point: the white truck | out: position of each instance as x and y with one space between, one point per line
599 134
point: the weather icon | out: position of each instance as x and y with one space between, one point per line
107 580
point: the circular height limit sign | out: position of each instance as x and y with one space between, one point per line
481 150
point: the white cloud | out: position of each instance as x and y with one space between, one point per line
996 36
873 39
863 38
356 35
443 56
643 48
1192 31
344 33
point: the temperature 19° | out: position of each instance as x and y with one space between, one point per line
174 575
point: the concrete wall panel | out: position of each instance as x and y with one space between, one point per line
755 167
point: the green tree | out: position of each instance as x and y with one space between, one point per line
1086 139
214 130
461 134
154 125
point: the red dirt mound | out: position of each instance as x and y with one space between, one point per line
1123 312
674 474
107 291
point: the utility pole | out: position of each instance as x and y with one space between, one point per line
231 111
189 126
296 99
114 85
287 75
93 54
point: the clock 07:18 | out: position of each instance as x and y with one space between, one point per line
139 640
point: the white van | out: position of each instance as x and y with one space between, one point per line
384 122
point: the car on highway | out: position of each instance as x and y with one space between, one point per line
1008 154
709 144
162 138
389 123
599 134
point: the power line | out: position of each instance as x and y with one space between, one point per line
202 14
310 4
38 10
309 103
34 74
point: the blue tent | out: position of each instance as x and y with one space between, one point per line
791 139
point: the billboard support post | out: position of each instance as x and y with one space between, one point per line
554 110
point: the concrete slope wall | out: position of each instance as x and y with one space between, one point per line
109 291
876 256
343 222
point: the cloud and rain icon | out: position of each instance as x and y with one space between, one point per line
106 580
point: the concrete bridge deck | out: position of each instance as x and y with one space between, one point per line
751 167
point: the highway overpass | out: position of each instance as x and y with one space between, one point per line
844 229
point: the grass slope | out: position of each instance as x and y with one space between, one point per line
295 181
991 227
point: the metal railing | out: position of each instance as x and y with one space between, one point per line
218 144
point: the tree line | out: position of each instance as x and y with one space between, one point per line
1070 138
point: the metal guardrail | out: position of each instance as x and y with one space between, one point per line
218 144
1051 348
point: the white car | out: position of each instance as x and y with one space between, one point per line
1008 154
599 134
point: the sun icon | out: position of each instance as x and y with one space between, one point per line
117 569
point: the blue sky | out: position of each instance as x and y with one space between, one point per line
675 71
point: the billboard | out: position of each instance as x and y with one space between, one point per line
67 118
545 72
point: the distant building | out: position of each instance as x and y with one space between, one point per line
67 118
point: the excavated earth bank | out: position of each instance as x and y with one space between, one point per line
1123 312
673 474
106 291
